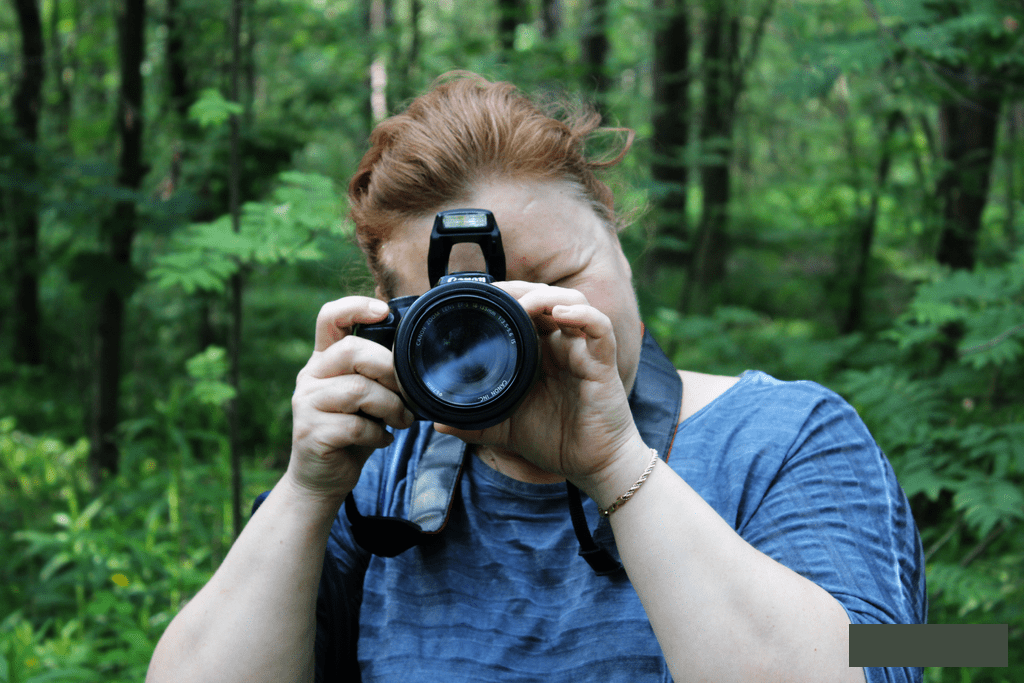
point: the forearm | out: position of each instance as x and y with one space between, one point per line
721 609
255 620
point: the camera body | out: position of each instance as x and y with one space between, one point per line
466 353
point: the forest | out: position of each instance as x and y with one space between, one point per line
830 190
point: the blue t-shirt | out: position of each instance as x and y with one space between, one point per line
501 594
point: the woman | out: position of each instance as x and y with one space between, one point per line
754 519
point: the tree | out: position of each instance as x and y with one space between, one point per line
119 231
864 230
24 199
594 50
177 70
967 56
671 122
511 13
725 64
968 126
551 18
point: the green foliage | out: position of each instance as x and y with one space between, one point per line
985 305
92 577
211 109
283 229
954 432
733 339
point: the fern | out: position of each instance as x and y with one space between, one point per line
204 256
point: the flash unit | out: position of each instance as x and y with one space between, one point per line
456 221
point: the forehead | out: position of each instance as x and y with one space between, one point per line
544 225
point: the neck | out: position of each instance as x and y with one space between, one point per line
515 466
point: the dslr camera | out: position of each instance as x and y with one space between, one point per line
466 353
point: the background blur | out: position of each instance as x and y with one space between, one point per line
822 189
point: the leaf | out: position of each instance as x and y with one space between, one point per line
211 109
193 270
924 479
987 501
211 364
56 563
213 393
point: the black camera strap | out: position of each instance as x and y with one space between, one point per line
655 401
432 476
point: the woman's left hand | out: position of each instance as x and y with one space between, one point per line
576 421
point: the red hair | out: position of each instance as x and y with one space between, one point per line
463 130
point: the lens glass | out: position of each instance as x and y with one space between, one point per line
465 352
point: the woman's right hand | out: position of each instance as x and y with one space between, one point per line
343 397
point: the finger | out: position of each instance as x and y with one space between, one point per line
336 318
354 394
334 431
593 326
354 355
541 301
582 319
518 288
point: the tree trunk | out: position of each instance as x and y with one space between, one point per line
406 74
511 13
24 200
594 49
377 78
62 107
119 230
671 123
177 71
969 127
865 236
720 55
551 18
725 67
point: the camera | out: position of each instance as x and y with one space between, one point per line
466 353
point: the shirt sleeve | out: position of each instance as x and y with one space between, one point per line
834 513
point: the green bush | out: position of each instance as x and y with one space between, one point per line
92 577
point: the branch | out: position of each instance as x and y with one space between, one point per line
991 342
747 60
929 68
983 544
955 527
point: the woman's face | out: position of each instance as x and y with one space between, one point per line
550 236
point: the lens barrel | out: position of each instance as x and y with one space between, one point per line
466 355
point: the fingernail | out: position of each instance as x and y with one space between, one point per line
378 307
409 417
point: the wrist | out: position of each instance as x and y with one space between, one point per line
316 504
622 471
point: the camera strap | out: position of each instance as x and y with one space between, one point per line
655 401
422 469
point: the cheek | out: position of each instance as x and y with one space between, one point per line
618 302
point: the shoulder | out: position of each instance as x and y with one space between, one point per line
700 389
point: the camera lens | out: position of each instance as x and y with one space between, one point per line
466 354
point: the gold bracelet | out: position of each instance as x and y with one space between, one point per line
621 500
